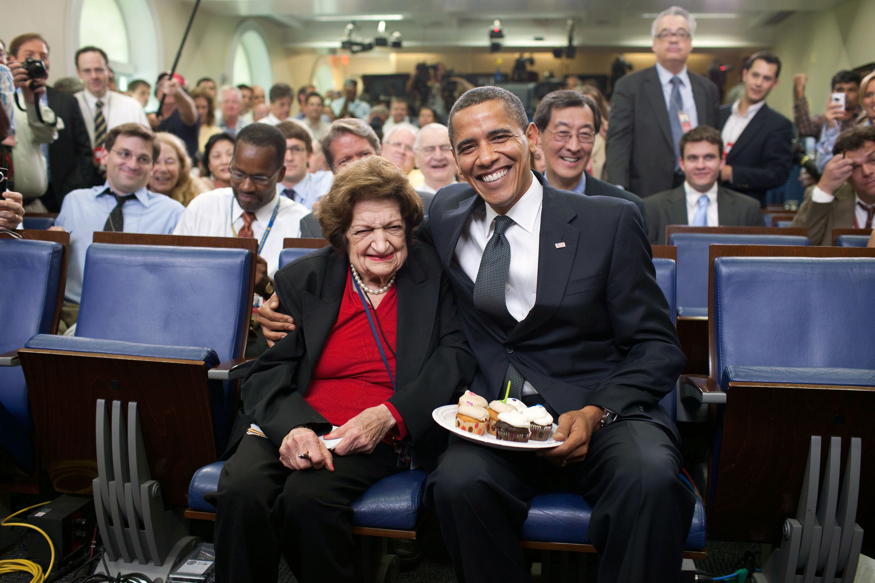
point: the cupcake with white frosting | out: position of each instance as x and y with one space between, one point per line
512 426
541 423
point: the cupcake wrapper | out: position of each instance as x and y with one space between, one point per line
540 432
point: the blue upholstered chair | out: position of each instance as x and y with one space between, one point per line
40 223
145 306
299 247
31 288
852 240
785 369
692 257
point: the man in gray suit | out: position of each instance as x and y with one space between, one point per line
653 108
699 201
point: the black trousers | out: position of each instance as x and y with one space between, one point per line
641 509
265 509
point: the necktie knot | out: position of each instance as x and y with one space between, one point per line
115 222
290 193
246 230
676 81
99 104
701 218
870 213
501 224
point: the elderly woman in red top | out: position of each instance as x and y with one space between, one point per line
376 349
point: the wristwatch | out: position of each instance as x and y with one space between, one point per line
608 417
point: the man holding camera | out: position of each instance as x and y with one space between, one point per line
68 158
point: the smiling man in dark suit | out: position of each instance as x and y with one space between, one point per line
758 141
557 295
699 201
654 107
566 124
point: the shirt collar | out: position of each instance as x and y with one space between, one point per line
665 75
525 212
263 214
693 194
143 195
579 189
92 99
751 111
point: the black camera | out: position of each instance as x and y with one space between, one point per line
36 69
4 179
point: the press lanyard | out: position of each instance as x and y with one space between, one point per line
367 308
264 235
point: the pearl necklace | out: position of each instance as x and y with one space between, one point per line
379 290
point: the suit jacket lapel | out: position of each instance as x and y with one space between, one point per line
750 133
417 302
701 100
653 91
321 313
727 213
557 251
677 207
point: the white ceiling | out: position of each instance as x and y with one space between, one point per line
526 24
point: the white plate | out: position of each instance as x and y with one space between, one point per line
446 417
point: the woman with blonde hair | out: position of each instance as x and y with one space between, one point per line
171 173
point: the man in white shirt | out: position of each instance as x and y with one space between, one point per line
844 198
280 104
349 105
251 207
299 184
312 116
101 108
397 146
231 106
758 141
699 201
434 158
398 114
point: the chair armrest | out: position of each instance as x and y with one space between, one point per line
9 359
702 389
230 370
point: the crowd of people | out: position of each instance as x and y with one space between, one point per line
532 267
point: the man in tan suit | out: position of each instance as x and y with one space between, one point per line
844 197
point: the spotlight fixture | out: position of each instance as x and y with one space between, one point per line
380 40
496 32
495 36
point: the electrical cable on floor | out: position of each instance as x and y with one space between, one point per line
24 565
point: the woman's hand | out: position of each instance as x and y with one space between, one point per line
302 449
362 433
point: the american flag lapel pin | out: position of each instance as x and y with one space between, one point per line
560 245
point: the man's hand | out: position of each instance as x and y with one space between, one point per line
11 210
575 429
362 433
836 171
302 449
835 112
30 88
261 278
274 325
726 173
799 82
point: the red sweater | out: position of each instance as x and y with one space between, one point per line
350 375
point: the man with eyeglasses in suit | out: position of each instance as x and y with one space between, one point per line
122 203
565 125
654 107
434 159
